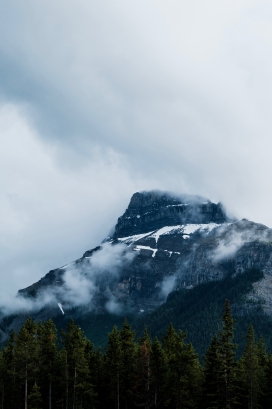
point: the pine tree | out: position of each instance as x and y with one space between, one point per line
114 360
88 395
26 355
212 374
267 390
100 378
9 390
227 386
128 348
35 398
250 372
184 376
47 341
76 363
143 390
1 379
263 363
159 373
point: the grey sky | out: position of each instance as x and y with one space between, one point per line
100 99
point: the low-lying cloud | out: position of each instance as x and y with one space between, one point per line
79 283
168 285
236 236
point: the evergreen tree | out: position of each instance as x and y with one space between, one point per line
47 341
100 379
212 374
77 370
227 385
159 373
128 348
114 361
26 355
267 389
1 379
88 395
143 390
263 363
184 376
35 398
10 396
250 372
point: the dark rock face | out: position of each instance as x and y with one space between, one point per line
149 211
176 243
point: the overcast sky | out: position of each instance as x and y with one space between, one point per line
99 99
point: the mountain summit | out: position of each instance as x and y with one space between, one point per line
162 243
149 211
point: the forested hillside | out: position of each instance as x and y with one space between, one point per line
198 311
40 368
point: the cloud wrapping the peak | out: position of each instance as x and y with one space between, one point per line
102 99
79 283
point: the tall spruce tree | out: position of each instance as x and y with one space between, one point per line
267 389
1 379
47 342
77 369
184 375
26 356
159 373
10 395
114 366
227 385
35 398
143 385
212 375
128 348
251 371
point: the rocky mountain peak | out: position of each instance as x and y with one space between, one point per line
148 211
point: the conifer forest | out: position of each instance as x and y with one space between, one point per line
40 368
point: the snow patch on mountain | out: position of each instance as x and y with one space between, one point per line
137 248
132 239
185 229
60 307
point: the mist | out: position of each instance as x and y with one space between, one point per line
237 236
79 284
99 100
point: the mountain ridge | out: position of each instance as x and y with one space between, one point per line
176 243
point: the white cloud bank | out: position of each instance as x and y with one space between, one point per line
101 99
79 284
49 214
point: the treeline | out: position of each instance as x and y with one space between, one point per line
198 311
40 370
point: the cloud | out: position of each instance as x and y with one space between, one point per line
49 214
182 90
80 283
101 99
233 238
168 285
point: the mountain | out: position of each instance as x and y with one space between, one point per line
150 244
164 247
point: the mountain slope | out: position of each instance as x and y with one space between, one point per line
162 243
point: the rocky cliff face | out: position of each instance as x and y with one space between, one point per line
161 243
149 211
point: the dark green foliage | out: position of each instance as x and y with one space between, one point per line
212 366
251 371
184 373
198 312
38 373
114 357
227 386
35 398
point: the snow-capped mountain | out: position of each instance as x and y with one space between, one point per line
161 243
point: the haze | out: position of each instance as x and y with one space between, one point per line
101 99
